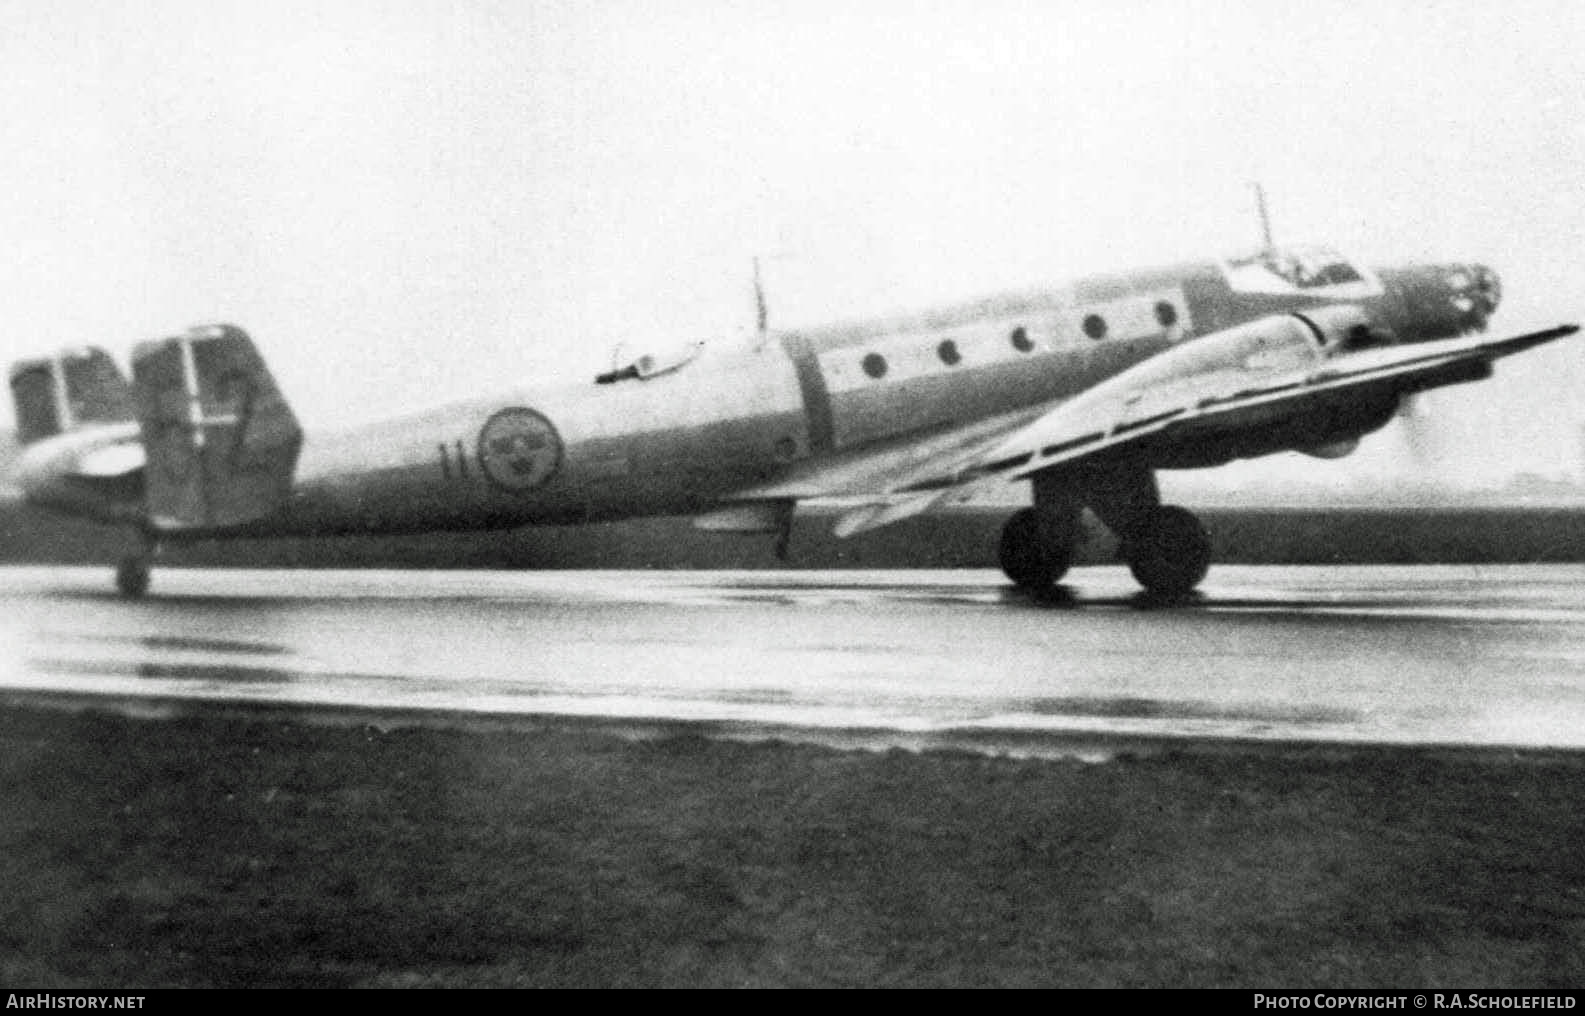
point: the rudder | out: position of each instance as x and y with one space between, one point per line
74 389
220 440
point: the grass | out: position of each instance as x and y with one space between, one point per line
255 850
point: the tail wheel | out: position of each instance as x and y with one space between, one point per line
1170 552
132 577
1036 550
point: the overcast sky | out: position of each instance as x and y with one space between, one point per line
409 201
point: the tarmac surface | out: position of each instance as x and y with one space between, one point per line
1484 656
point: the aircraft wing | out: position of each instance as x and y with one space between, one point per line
1164 417
892 466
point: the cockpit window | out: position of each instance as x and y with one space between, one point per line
1317 270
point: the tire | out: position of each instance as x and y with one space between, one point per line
1034 551
1170 552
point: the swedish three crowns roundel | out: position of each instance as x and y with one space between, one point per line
519 449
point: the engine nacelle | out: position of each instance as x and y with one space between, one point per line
1196 379
1345 329
1335 450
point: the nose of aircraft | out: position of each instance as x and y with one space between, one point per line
1473 292
1442 300
1488 290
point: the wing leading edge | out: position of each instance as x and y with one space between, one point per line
1286 383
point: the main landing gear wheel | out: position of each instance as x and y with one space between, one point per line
1170 552
1035 550
132 576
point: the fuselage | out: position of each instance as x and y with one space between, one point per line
743 416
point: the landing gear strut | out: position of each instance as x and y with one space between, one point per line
134 570
132 576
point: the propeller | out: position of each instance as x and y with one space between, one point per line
1488 292
1479 292
1419 431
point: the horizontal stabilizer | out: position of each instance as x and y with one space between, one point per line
112 460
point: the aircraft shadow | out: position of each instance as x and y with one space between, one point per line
1067 598
212 603
1056 598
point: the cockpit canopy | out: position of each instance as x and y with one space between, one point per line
1310 269
642 368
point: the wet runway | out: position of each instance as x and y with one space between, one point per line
1487 656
